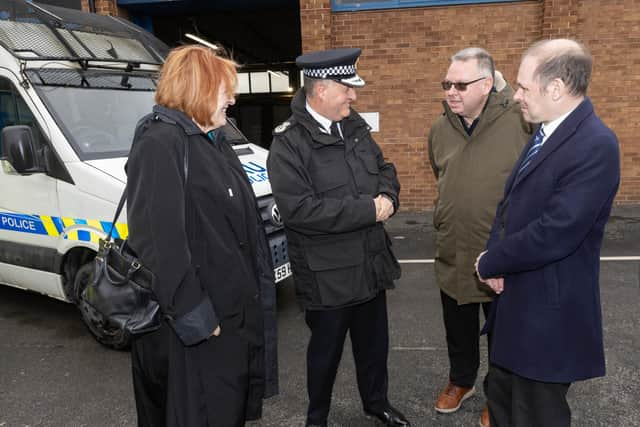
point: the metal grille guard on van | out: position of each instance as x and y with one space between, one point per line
42 32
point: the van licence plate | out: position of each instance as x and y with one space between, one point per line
282 272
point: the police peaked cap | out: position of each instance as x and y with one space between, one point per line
334 64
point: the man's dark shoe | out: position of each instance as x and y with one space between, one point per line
390 417
316 425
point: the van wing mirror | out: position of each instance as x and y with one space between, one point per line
18 149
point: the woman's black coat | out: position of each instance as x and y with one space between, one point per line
205 244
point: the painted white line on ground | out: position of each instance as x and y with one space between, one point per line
417 348
415 261
604 258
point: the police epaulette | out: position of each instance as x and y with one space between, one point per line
281 128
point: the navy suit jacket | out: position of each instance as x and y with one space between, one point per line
547 323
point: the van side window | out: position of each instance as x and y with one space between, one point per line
14 111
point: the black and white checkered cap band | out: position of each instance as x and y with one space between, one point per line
337 71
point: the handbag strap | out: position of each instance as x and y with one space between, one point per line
123 198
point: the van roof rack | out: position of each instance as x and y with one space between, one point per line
33 31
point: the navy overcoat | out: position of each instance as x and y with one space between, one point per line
545 242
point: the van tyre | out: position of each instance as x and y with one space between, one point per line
105 334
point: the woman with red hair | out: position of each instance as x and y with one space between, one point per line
193 220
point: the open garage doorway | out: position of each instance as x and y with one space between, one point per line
262 35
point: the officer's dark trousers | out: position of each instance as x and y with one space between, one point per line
515 401
462 326
368 330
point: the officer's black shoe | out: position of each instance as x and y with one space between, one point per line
308 424
390 417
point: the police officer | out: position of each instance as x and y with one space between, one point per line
334 190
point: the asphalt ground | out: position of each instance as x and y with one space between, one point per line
52 373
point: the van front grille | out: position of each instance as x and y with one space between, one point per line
274 229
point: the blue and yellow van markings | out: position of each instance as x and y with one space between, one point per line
55 226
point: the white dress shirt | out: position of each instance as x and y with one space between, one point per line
324 122
550 127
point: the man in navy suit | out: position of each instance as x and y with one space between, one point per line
542 256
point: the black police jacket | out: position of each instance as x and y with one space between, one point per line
324 188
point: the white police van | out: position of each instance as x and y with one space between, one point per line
72 87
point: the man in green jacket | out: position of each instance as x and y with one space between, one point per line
472 148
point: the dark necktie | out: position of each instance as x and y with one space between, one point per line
335 131
533 150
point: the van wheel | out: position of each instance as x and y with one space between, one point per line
105 334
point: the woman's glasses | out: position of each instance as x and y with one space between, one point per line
460 86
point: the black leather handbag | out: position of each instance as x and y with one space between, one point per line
120 290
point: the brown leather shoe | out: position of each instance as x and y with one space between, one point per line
484 418
452 397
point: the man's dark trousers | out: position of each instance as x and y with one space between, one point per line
462 326
515 401
368 329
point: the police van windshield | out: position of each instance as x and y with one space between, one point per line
99 123
98 112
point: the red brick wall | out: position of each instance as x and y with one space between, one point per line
611 30
316 32
105 7
406 53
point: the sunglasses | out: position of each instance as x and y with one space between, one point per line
460 86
